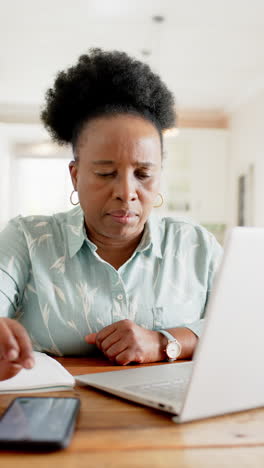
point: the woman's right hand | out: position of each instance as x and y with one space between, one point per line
15 348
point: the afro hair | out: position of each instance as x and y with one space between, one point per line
104 83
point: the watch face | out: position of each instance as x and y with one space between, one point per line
173 350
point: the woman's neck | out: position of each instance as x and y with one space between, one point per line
114 251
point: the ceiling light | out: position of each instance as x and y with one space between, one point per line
146 52
158 19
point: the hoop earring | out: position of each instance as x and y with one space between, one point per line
74 204
161 201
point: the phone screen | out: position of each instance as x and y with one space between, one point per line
38 422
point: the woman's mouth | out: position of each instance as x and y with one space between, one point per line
122 217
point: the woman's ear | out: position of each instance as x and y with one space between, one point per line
73 168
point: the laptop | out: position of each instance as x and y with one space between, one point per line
226 374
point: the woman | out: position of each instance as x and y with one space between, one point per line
107 273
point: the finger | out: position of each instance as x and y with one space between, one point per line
8 369
105 332
91 338
115 349
9 348
129 355
26 358
123 358
110 340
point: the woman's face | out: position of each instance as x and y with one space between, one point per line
117 175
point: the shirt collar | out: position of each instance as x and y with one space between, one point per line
76 234
151 237
74 229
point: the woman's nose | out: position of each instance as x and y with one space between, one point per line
125 189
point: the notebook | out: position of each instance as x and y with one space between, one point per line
47 375
226 374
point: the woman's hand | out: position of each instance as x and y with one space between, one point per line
15 348
125 341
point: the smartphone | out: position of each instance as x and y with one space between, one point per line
38 423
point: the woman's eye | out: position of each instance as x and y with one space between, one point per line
108 174
142 175
139 175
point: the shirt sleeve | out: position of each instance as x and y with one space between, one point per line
215 257
14 267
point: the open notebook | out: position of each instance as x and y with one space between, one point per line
47 375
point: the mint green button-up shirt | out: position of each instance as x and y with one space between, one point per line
55 284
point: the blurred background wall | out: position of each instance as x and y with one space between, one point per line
209 53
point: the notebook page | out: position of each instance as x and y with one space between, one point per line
46 374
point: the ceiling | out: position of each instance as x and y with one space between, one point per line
209 52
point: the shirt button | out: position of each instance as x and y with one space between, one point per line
120 297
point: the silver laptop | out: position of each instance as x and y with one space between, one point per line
227 373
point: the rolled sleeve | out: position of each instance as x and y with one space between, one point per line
8 295
14 267
196 327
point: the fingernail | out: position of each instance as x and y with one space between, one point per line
12 355
29 363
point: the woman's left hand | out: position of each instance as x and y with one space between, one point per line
125 341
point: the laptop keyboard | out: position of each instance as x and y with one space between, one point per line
164 390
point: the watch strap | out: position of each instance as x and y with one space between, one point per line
168 335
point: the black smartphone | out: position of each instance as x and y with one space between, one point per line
38 423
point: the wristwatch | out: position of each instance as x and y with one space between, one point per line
173 348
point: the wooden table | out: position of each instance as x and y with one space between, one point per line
114 433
